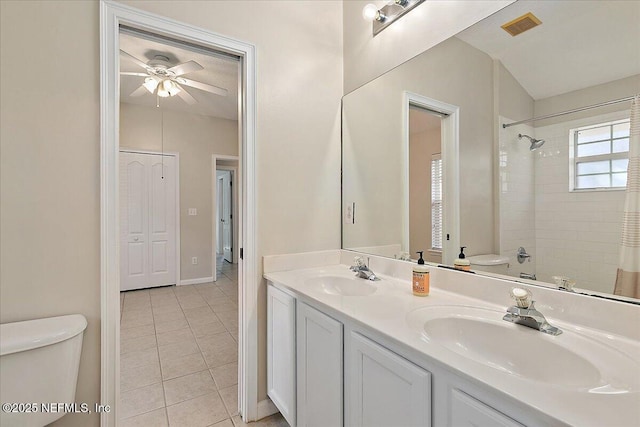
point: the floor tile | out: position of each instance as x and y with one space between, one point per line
137 331
205 329
168 316
183 365
136 344
222 355
157 418
140 376
188 387
173 351
141 400
225 375
171 325
174 337
225 423
199 412
179 355
138 358
230 398
213 342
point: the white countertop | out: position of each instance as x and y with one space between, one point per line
387 310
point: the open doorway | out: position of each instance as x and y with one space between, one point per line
179 334
425 183
225 220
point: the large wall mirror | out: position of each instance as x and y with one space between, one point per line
428 164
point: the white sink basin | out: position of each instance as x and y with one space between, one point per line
343 286
571 360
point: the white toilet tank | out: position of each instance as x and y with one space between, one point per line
491 263
39 361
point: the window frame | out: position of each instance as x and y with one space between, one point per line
574 159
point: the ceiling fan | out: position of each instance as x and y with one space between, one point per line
165 79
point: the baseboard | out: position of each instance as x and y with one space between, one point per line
196 281
266 408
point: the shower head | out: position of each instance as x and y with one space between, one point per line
535 143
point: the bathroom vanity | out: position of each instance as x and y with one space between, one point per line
347 351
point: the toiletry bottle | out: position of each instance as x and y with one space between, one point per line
461 263
420 280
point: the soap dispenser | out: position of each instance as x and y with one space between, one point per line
420 280
461 263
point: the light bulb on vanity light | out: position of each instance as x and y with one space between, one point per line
371 13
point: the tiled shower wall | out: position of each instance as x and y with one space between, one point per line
577 233
517 197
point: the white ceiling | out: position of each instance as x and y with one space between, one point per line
579 44
218 71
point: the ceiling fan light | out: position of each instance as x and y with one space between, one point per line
168 88
150 84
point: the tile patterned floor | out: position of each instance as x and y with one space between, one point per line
179 355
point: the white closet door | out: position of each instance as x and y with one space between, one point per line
147 220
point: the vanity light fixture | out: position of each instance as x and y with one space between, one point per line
388 14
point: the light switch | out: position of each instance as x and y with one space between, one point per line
194 260
193 211
349 213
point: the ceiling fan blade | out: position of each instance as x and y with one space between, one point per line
135 74
186 68
203 86
134 59
186 96
139 92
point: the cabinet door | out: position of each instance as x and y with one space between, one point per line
319 368
384 388
469 412
281 352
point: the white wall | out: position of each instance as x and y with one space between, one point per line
367 57
50 162
49 173
196 138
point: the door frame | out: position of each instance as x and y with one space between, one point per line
450 128
237 221
112 15
177 156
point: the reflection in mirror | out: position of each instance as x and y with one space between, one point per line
561 202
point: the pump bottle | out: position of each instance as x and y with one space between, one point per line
420 282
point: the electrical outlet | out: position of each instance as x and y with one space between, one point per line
194 260
193 211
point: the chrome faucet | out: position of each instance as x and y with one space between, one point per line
362 270
525 313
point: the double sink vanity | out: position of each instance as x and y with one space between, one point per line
343 350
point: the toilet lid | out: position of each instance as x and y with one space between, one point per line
489 259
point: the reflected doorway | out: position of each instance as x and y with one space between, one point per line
425 183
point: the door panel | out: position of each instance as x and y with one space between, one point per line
147 220
227 228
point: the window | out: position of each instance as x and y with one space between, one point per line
599 156
436 202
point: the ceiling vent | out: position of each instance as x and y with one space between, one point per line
521 24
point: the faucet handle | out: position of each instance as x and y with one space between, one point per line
358 262
522 297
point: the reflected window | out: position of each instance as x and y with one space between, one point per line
436 202
599 156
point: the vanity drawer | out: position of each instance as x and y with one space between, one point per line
467 411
